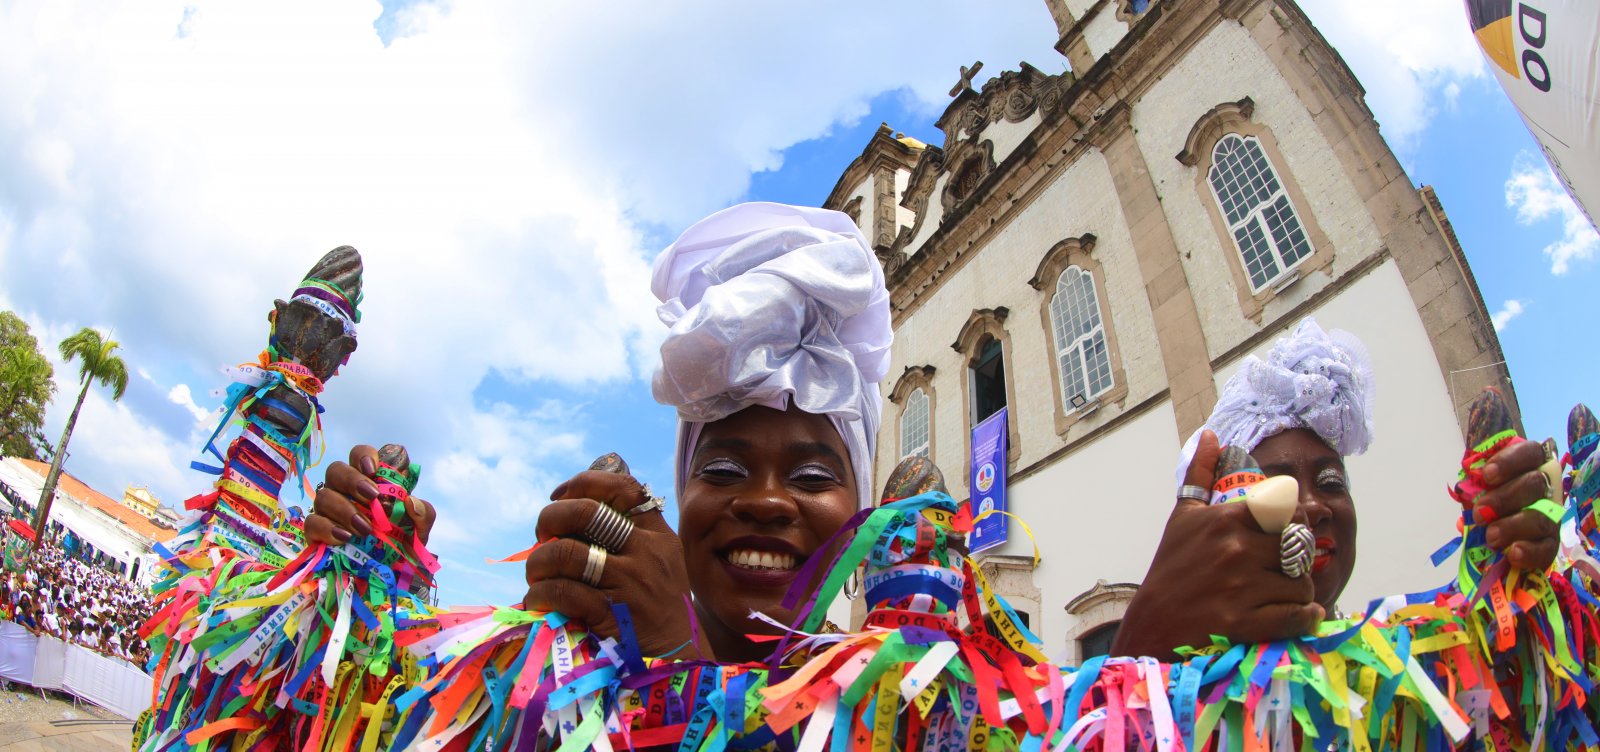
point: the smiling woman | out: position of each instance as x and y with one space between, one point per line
779 335
766 490
1299 413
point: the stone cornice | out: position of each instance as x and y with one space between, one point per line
883 148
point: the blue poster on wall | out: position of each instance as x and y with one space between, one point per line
988 482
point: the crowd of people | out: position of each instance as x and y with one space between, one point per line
63 597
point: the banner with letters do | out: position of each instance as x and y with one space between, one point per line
1546 55
987 482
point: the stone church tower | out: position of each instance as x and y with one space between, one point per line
1098 250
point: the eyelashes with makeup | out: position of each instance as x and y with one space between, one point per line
1333 480
728 469
721 468
814 474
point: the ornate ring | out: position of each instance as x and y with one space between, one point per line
1194 492
594 566
608 529
1297 550
655 502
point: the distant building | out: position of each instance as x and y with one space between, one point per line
139 499
1097 250
122 535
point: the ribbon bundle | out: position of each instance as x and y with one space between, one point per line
326 650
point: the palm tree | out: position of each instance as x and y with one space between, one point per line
99 364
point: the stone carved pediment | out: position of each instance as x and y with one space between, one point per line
892 259
970 164
1011 96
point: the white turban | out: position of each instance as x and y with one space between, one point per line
774 305
1312 379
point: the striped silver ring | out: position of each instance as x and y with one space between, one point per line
609 529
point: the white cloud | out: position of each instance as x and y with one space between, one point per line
181 397
1408 56
1508 311
504 167
1537 195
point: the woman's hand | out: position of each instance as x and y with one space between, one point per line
1528 538
340 509
648 574
1214 573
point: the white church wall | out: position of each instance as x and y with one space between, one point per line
1227 66
1104 31
903 217
1398 485
1006 135
1097 514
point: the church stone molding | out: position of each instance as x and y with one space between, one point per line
853 210
1012 578
912 378
1211 126
1103 604
972 164
983 325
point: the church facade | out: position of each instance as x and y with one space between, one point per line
1096 252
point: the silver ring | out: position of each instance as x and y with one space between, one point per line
1194 492
608 529
1297 550
594 566
655 502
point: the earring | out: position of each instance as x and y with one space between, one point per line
852 586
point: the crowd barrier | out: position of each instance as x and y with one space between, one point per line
49 663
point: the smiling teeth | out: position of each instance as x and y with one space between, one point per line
760 560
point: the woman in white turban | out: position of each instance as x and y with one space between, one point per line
779 333
1299 413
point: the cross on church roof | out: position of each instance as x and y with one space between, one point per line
965 84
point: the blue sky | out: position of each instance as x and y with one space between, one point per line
509 169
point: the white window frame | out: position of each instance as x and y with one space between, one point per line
918 406
1078 347
1271 204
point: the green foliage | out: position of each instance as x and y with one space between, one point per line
99 362
26 386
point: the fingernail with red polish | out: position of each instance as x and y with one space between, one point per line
368 466
366 490
361 525
342 535
1484 515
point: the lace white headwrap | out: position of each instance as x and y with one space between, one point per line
1311 379
774 305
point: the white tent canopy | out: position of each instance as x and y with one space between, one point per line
95 527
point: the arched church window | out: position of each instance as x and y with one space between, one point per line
916 436
1262 221
1080 338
